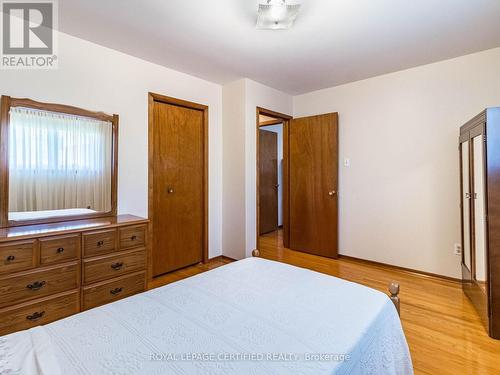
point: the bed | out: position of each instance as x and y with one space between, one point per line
254 316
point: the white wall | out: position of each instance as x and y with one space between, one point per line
240 102
278 129
399 200
257 95
233 203
98 78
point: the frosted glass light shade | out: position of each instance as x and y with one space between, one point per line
277 15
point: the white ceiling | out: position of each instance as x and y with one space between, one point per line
332 42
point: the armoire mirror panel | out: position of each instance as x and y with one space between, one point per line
465 206
60 162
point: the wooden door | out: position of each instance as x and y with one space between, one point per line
268 181
178 187
313 184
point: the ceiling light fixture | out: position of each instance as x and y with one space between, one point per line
277 15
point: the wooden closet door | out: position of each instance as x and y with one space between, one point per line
268 181
178 187
313 184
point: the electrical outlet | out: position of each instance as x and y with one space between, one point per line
457 249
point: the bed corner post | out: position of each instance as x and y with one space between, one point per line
394 290
256 253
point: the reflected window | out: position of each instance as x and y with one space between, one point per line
59 164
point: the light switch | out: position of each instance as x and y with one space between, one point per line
347 162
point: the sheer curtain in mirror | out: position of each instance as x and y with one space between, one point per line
58 162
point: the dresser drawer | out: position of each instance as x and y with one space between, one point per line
38 312
98 243
59 249
113 290
29 285
134 236
17 256
107 267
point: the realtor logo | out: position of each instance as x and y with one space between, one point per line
28 37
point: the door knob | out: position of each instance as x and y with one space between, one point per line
331 193
170 190
277 186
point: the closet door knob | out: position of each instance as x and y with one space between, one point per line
170 190
332 193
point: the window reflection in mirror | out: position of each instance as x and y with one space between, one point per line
59 164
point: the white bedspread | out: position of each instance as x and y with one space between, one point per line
250 317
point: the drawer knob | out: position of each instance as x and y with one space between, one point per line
37 285
100 243
117 266
60 250
35 316
10 258
116 291
133 238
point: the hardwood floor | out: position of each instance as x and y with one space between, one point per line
443 330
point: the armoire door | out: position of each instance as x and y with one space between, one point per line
268 181
480 171
178 187
313 171
474 228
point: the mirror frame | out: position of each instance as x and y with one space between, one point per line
6 104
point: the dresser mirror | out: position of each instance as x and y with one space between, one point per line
57 163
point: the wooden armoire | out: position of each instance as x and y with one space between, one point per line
479 149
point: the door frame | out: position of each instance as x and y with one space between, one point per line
152 98
285 120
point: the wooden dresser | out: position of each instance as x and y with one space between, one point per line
50 271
